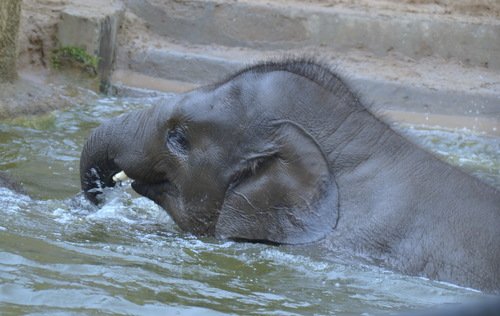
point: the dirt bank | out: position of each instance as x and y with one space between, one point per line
39 88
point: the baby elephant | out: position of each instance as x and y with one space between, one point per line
285 153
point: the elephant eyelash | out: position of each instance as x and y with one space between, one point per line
177 141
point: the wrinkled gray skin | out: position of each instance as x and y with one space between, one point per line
285 153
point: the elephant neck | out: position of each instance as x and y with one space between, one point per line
361 137
400 204
378 170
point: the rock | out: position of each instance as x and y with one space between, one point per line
92 26
6 181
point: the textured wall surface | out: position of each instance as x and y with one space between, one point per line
9 26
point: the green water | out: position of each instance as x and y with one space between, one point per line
60 256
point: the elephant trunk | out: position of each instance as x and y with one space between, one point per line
120 145
115 146
97 161
108 151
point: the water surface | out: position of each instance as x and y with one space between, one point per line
59 255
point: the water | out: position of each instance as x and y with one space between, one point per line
59 255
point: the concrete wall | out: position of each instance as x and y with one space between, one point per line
472 41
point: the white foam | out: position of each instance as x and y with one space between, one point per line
12 202
62 216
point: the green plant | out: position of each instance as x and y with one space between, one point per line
71 56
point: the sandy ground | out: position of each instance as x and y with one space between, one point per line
37 34
483 8
30 94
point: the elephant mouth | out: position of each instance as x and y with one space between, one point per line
154 191
96 181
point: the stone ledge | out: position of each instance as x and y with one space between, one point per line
427 86
472 41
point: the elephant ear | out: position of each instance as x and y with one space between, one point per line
291 199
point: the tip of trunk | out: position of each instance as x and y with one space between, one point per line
93 181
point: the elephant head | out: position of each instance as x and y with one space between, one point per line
233 160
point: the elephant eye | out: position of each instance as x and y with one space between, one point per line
177 141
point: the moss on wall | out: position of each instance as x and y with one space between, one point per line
75 57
